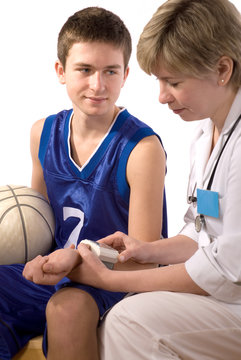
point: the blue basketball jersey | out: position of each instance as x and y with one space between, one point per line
92 201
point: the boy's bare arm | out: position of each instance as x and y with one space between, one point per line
145 175
50 269
37 181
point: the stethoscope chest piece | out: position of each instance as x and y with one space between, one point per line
199 222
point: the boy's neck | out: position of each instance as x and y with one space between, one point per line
85 125
86 134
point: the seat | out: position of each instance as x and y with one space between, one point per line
32 351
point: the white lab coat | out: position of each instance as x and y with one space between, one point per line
179 325
216 266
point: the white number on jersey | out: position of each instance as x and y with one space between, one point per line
77 213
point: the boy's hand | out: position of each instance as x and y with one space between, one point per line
62 261
49 270
33 270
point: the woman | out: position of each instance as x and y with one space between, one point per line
190 309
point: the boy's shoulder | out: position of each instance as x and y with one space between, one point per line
37 127
127 118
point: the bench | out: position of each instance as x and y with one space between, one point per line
32 351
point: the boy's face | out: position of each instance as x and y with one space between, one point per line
94 75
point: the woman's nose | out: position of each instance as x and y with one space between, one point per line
165 95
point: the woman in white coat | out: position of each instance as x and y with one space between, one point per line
190 309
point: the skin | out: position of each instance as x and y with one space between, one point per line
174 251
94 76
195 99
192 99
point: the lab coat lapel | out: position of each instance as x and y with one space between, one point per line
203 148
230 120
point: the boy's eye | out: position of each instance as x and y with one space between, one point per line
84 70
111 72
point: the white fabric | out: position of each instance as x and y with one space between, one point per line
216 266
163 326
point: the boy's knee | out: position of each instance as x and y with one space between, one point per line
69 304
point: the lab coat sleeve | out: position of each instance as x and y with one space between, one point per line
189 227
216 268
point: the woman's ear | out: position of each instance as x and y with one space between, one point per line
60 71
225 70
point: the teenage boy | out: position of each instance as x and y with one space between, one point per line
102 170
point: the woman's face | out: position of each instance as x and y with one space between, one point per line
189 97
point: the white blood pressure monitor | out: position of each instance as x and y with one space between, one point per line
105 253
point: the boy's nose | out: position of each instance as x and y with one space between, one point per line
96 81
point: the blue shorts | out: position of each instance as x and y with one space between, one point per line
23 304
22 309
103 298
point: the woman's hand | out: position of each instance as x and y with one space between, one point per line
128 247
91 271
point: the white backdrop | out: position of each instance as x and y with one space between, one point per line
29 89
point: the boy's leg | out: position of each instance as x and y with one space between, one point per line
73 315
163 325
72 318
22 309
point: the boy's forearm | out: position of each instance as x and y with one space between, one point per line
133 276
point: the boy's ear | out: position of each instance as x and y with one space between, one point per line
60 71
125 75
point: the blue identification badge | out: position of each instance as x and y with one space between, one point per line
207 203
207 200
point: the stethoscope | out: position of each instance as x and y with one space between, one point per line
200 219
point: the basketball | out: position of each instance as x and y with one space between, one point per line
26 224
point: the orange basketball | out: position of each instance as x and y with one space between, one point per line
26 224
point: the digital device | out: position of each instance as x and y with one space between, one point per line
105 253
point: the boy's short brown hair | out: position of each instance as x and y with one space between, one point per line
94 24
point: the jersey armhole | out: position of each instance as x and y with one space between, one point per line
122 184
45 138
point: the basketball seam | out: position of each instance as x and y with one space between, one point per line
44 218
20 208
32 207
22 221
16 188
25 195
8 210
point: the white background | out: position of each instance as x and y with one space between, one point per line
29 89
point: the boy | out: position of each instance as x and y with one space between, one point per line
102 171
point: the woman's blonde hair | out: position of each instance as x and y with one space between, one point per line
190 36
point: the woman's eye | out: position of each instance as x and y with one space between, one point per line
174 84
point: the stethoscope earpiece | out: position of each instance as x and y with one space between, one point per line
191 199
